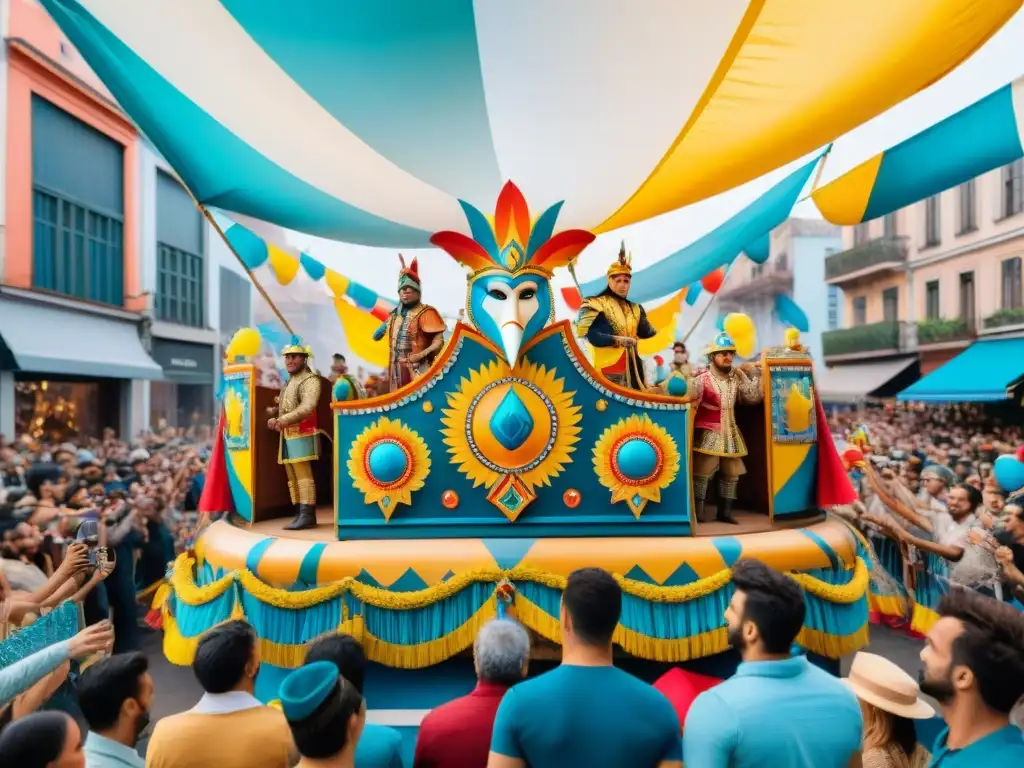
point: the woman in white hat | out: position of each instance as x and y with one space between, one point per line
890 701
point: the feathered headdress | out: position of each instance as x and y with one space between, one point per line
512 242
409 276
622 265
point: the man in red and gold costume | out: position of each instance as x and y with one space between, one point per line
718 445
415 331
611 320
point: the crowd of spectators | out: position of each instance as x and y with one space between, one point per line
87 528
779 708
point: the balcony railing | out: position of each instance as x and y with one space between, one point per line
770 282
880 253
942 331
888 336
1005 317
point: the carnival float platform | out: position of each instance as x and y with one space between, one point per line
424 541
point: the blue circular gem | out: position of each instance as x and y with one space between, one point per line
387 462
636 459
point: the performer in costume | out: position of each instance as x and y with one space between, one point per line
344 386
415 330
610 319
718 445
296 420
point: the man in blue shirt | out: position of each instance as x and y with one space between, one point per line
974 667
778 709
115 694
586 713
379 746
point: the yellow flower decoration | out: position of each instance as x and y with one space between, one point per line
388 462
636 460
511 430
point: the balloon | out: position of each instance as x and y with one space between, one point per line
742 332
713 281
1009 473
693 293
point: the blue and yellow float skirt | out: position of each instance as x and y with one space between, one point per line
414 604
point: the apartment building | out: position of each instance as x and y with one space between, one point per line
924 288
111 289
795 268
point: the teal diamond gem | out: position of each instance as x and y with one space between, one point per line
386 501
637 500
511 423
511 500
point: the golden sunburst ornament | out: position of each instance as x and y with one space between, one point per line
636 460
388 461
511 430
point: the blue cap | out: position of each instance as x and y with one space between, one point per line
306 688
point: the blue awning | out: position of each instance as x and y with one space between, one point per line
984 372
52 340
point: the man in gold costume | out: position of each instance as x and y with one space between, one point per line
718 445
295 418
415 331
610 319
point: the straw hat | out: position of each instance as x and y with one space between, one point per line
884 685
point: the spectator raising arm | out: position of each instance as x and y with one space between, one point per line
22 675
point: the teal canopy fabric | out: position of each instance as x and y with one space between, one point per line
984 372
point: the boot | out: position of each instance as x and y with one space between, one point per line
304 520
725 511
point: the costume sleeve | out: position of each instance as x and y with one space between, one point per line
309 398
751 388
711 733
431 321
22 675
644 329
599 330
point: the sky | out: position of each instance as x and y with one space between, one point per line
995 64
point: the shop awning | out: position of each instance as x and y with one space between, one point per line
984 372
52 340
850 383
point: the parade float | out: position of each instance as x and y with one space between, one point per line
474 490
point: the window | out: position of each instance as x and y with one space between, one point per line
1012 284
833 307
782 262
77 207
967 210
967 297
860 233
891 304
932 225
931 300
860 310
889 225
756 270
1013 188
180 269
235 303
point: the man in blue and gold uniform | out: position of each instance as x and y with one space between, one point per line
344 386
611 320
295 418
